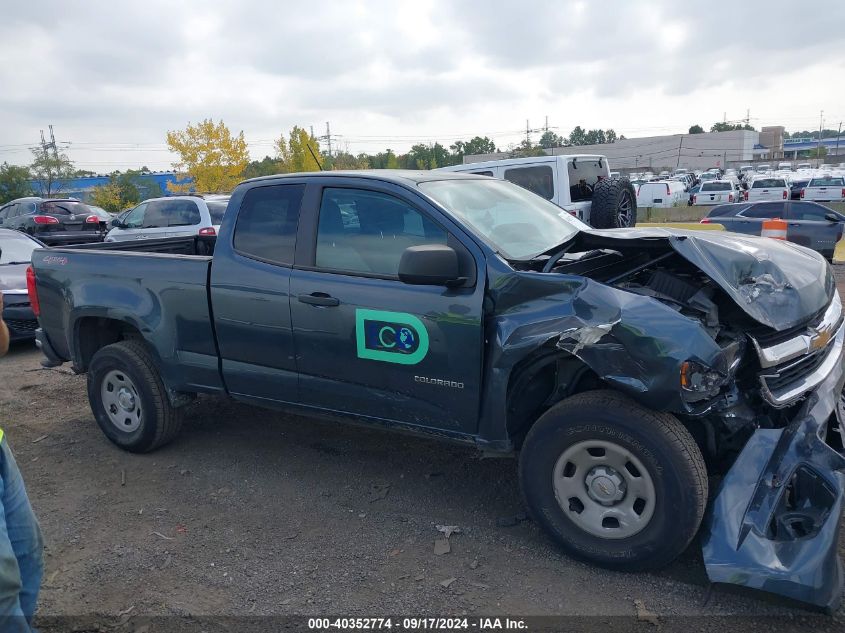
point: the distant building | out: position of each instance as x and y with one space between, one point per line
800 147
771 138
655 153
150 185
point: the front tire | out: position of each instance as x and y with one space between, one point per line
128 399
612 482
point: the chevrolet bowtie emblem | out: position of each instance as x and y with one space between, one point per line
820 340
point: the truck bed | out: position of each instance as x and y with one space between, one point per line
157 287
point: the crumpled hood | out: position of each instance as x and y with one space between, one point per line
13 278
777 283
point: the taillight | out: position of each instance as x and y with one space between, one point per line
704 221
44 219
208 230
92 219
785 195
667 191
843 192
802 193
730 197
694 199
745 196
32 292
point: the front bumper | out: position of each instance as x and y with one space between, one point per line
774 524
19 318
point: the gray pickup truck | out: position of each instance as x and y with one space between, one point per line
626 368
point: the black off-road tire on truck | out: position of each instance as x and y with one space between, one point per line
129 400
614 204
595 459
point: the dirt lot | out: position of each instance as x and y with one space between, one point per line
262 513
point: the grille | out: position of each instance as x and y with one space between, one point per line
22 325
777 378
769 338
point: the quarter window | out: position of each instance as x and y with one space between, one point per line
267 221
367 231
537 179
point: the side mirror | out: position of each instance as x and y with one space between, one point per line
429 265
832 217
116 224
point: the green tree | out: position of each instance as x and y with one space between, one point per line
610 136
210 154
14 182
384 160
549 140
817 152
578 136
123 190
696 129
595 137
345 160
50 170
267 166
476 145
720 126
299 152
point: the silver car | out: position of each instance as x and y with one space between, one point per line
171 216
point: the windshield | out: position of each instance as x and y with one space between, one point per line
516 222
16 249
716 186
764 183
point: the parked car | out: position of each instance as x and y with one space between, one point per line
579 184
762 169
467 308
661 194
54 221
786 166
746 170
804 166
808 223
795 187
767 188
716 192
825 189
15 256
707 176
171 216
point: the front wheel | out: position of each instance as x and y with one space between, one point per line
128 399
613 482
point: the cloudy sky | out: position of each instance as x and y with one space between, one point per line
112 77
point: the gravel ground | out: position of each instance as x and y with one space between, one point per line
251 512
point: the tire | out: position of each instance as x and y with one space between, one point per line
657 442
141 418
614 204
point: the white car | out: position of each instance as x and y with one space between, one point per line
762 169
661 194
825 189
716 192
804 166
170 216
768 188
785 166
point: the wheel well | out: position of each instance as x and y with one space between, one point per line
538 383
94 333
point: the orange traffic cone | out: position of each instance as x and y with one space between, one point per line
774 228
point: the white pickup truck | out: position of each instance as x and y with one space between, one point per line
825 189
767 189
716 192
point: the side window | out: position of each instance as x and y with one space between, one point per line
182 213
367 231
765 210
156 215
536 179
25 208
135 218
15 210
267 221
808 211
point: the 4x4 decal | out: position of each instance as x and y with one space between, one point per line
390 337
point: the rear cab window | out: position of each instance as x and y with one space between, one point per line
716 186
827 182
267 222
767 183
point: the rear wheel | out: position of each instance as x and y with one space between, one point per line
612 482
129 400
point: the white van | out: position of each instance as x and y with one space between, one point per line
662 194
579 184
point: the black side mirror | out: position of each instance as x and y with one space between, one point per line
430 265
832 217
116 224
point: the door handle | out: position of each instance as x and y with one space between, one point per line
319 299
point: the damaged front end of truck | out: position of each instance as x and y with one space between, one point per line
740 339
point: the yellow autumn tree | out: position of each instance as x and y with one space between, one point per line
294 153
108 197
210 154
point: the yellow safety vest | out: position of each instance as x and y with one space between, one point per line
1 435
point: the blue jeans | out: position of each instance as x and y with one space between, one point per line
20 549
